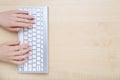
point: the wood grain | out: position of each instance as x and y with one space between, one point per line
84 40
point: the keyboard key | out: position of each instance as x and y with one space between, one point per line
34 69
34 30
38 45
38 32
34 42
38 59
38 36
42 60
42 42
41 46
38 68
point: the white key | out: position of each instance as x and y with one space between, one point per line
38 32
34 51
38 41
34 26
38 45
38 58
41 46
25 33
34 30
34 69
41 37
25 37
34 34
34 47
41 32
34 56
41 41
25 67
38 23
29 35
38 14
42 60
41 69
38 62
42 28
29 61
20 69
33 12
42 51
30 40
38 27
34 38
30 30
29 67
42 24
41 64
38 50
42 55
38 10
34 43
38 36
38 19
34 65
38 68
34 61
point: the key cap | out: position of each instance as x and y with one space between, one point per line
38 68
38 45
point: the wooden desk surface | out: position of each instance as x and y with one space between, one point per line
84 40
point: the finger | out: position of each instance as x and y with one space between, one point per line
24 24
24 46
19 47
22 52
20 57
19 61
15 29
13 43
20 12
25 20
25 16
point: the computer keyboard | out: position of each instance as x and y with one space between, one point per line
37 37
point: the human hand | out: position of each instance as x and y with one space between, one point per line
14 52
15 20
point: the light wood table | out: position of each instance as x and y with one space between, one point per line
84 40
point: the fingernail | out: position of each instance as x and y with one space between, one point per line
34 21
30 54
30 49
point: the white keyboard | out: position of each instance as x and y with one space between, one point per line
37 37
